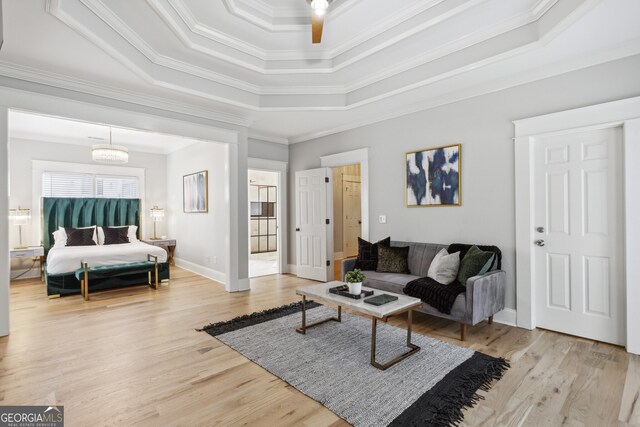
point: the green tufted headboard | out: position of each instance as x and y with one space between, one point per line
74 212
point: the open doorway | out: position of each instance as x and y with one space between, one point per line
263 223
347 214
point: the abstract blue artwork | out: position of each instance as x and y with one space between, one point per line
433 177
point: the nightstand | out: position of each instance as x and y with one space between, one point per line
168 245
30 252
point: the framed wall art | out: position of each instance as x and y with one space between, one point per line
195 192
433 177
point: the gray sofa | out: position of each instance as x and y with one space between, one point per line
484 296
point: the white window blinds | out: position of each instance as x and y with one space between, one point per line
117 187
63 184
69 184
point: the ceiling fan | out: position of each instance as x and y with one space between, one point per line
319 10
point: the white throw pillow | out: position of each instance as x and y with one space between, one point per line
444 267
131 234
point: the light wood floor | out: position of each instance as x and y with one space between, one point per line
132 357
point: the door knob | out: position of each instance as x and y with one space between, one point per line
539 242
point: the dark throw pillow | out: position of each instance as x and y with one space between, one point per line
368 254
393 259
115 235
475 262
80 236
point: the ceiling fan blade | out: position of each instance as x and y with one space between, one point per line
317 22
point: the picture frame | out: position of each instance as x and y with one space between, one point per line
433 177
195 192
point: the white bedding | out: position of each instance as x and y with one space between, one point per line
67 259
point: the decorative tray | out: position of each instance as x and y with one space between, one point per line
343 290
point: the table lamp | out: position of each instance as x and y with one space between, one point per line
20 217
156 214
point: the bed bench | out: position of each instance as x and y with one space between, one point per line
85 273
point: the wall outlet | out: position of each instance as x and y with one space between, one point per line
208 260
215 259
382 219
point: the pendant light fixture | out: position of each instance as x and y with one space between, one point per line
109 153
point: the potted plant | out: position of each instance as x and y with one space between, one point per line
354 280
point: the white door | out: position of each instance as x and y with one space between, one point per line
351 215
314 212
579 237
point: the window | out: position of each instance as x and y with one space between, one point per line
69 184
63 184
117 187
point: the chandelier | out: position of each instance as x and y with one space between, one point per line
109 153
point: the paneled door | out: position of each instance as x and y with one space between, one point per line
314 212
351 213
578 243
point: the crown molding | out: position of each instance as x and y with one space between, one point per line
122 30
584 61
60 81
267 137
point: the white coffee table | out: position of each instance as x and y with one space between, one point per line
320 293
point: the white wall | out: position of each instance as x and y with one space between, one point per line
483 125
201 237
268 150
23 152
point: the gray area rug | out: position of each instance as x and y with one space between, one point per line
331 365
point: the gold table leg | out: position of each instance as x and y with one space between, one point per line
413 348
305 326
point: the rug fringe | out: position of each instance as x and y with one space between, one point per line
462 396
245 320
443 404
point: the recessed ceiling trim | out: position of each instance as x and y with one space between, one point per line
256 104
74 84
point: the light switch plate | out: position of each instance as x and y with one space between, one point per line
382 219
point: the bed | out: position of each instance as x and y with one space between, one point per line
62 262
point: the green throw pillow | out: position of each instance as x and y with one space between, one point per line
474 263
393 259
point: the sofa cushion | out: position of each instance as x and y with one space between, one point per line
389 282
464 247
420 256
475 262
393 259
444 267
368 253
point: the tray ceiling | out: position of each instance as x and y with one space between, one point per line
254 59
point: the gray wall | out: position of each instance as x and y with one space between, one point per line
268 150
483 126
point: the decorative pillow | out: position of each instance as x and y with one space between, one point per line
444 267
475 262
115 235
393 259
131 234
368 254
59 238
80 236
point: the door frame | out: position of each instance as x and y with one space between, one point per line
346 158
281 168
625 114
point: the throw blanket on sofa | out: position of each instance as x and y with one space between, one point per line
437 295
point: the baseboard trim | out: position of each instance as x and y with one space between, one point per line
506 317
292 269
202 271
